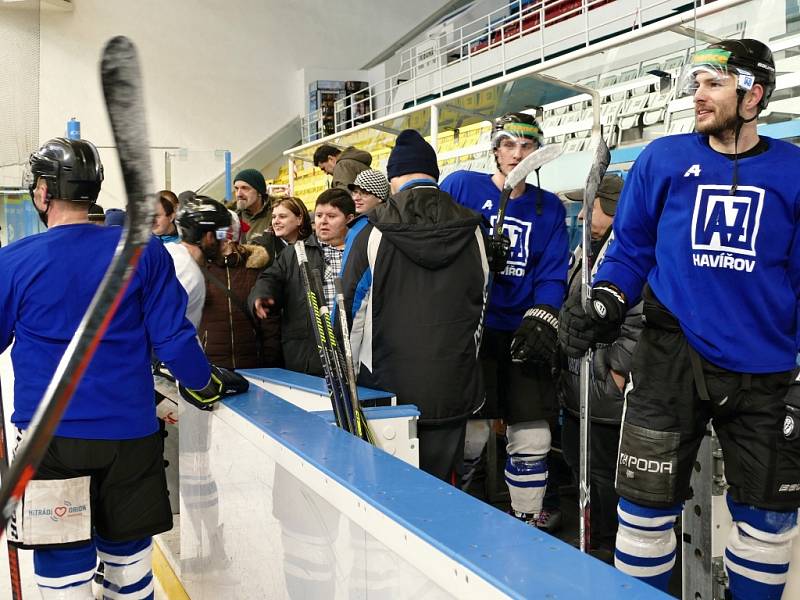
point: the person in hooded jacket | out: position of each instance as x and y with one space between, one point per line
342 165
414 283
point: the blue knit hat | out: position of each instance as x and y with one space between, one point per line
412 154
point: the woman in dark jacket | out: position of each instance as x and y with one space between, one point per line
290 222
231 336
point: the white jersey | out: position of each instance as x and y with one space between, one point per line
191 278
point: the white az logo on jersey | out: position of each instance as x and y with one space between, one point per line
727 223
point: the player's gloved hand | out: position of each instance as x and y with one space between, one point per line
536 339
497 251
580 331
791 423
223 382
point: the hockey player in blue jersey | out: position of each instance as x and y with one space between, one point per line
100 489
708 235
520 336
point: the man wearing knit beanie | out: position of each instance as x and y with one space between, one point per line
253 205
415 275
411 158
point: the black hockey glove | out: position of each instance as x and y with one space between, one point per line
791 423
497 250
580 331
223 382
536 339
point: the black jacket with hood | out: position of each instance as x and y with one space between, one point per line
606 399
414 284
281 282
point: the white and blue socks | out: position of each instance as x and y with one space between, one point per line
758 551
646 542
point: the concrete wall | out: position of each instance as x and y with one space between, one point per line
218 75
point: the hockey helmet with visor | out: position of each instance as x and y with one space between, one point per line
750 61
200 214
517 128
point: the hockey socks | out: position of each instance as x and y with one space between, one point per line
526 465
128 568
65 573
758 551
646 542
527 481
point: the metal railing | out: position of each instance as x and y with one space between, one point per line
462 57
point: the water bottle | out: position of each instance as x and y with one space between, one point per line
74 129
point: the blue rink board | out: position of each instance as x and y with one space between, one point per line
309 383
517 559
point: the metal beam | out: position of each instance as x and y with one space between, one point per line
695 34
386 129
464 111
446 9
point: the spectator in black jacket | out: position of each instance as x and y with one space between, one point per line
414 283
610 367
279 288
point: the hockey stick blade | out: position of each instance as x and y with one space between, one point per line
535 160
122 89
600 162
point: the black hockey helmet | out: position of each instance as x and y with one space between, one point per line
750 60
200 214
516 125
72 169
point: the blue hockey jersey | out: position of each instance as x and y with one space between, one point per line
539 258
46 284
727 266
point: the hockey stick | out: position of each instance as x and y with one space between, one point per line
13 555
329 343
602 157
362 427
121 80
535 160
337 403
